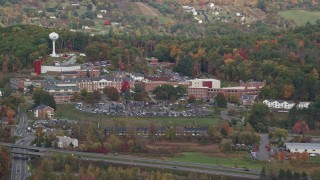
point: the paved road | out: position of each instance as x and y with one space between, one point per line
263 154
19 170
72 60
155 163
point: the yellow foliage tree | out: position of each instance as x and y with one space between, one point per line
315 74
288 90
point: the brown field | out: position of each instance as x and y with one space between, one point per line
146 10
211 150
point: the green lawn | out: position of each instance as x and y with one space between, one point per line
230 162
315 160
300 17
68 111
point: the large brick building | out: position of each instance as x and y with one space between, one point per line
209 88
98 83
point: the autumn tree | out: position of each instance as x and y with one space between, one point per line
113 142
225 145
10 114
288 90
301 127
282 155
281 135
4 162
305 156
112 93
276 156
214 134
225 129
192 98
125 86
297 156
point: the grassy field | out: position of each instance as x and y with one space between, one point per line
300 17
220 161
68 111
315 160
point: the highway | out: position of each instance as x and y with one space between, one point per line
19 170
145 162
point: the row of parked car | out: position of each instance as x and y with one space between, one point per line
142 110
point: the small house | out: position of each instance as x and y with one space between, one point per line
100 16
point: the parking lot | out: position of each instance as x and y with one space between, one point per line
143 109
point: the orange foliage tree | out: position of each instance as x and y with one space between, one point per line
291 156
297 156
305 156
282 155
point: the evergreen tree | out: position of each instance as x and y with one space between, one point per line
296 175
304 176
127 94
288 174
220 100
282 174
263 174
43 97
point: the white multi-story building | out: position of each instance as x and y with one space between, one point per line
279 104
45 69
302 105
209 83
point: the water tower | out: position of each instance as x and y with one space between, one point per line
53 36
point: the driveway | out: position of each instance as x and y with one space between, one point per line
263 154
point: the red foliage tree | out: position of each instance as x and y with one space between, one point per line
301 127
226 129
101 150
228 56
192 98
125 85
282 155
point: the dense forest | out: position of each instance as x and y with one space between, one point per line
288 60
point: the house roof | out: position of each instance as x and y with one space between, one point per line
70 72
279 101
303 145
54 87
42 106
246 96
66 139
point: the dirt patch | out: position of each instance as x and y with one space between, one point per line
176 148
146 10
